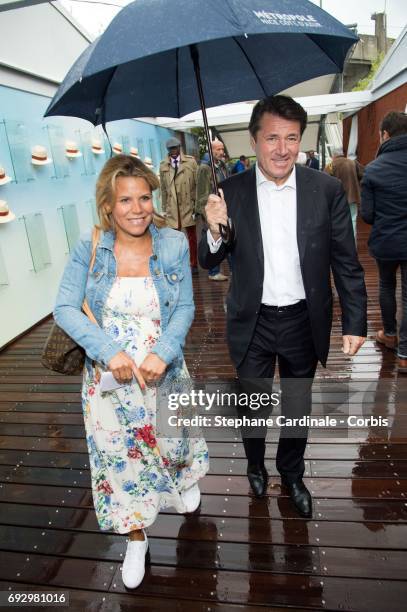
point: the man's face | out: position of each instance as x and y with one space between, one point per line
218 151
311 154
174 152
276 146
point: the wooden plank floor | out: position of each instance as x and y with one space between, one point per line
237 553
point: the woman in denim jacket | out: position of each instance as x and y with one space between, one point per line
140 292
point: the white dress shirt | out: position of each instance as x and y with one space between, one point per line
282 284
175 159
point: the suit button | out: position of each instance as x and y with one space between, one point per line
155 257
167 303
156 271
174 277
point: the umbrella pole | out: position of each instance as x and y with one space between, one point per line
225 231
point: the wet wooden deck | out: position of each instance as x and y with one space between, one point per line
238 553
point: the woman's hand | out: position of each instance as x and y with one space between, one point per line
152 368
124 368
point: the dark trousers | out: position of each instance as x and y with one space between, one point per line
193 249
388 304
283 334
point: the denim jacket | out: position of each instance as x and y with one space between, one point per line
171 273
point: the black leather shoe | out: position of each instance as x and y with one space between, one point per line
300 496
258 479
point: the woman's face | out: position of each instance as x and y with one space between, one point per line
132 210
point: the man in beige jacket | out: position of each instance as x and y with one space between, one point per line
178 192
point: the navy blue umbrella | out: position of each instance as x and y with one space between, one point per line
171 57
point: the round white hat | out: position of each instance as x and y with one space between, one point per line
39 156
148 162
4 179
117 148
71 149
5 213
134 152
97 147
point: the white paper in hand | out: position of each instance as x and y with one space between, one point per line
109 383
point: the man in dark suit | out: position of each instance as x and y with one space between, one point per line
312 161
292 227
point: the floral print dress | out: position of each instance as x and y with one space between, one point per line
134 474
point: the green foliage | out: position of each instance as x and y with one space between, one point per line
203 146
364 83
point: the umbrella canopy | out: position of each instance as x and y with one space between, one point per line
142 66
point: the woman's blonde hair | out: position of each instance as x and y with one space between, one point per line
121 165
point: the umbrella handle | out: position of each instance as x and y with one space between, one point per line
227 232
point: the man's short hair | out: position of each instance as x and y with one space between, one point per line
394 123
281 106
242 157
337 152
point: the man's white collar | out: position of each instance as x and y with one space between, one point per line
290 182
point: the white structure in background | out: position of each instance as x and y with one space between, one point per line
38 45
231 120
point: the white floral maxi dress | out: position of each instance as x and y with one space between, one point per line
134 474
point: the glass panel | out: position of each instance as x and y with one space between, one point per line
57 144
153 153
3 272
37 240
92 205
140 146
164 151
71 224
20 152
107 147
126 144
5 155
85 145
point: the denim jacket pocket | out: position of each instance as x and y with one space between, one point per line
173 277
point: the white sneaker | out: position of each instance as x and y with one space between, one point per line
134 563
218 277
191 498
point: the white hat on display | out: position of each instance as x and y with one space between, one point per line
71 149
4 179
148 162
39 156
117 148
134 152
97 148
5 213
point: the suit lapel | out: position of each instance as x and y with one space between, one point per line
305 205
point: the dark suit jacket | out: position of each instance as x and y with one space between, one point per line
325 243
313 163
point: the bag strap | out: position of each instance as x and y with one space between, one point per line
95 241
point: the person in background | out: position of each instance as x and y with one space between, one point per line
178 191
204 188
350 173
384 206
240 165
312 161
140 292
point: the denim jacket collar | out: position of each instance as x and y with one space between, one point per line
108 238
